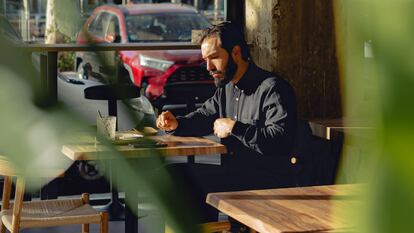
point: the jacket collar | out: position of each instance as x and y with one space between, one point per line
248 81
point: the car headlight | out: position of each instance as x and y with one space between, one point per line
158 64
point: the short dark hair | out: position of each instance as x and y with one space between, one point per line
230 35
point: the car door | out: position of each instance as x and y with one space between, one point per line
97 29
110 58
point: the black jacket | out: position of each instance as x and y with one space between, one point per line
264 107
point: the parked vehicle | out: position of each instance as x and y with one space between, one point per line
179 70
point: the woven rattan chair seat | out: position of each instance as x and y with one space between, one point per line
53 213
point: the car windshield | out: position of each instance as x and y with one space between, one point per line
165 27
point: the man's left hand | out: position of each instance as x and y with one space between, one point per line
223 127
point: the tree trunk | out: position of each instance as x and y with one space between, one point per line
63 21
52 34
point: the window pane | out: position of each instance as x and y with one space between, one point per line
113 27
98 26
168 27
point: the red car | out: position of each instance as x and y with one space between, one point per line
163 74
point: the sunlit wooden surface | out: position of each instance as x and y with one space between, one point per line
305 209
332 128
175 146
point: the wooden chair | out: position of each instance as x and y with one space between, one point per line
44 213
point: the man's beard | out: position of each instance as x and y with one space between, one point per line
228 73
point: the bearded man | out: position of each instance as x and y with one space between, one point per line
253 112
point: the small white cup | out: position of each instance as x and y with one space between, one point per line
106 126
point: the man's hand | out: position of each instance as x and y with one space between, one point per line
223 127
166 121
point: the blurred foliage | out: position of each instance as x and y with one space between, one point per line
377 90
380 90
34 128
31 135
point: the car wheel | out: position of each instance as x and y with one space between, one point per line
84 70
91 170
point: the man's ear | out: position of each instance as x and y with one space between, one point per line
236 52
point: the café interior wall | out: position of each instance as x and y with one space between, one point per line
296 39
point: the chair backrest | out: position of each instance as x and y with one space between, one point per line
314 155
38 213
7 170
303 137
6 167
304 154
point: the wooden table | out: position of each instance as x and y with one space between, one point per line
177 146
88 149
333 128
307 209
